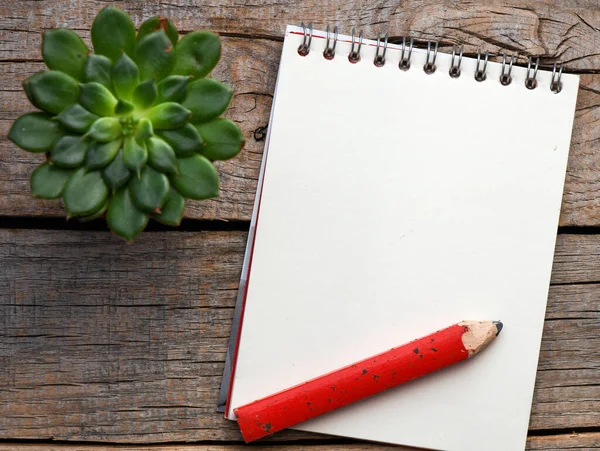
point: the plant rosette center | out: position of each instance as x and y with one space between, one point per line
132 129
129 124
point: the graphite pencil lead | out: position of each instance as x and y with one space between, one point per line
499 326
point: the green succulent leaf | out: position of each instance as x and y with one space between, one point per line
135 155
77 118
48 181
97 69
97 99
223 139
100 212
161 156
197 54
207 99
145 94
185 141
169 115
99 155
172 210
150 190
172 88
154 56
65 51
125 77
105 129
54 91
144 130
197 178
124 107
123 217
35 132
69 151
116 174
28 91
113 32
85 193
157 23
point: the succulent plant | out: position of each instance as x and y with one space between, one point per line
131 130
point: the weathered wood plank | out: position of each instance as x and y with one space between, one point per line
576 260
566 30
587 441
250 67
102 341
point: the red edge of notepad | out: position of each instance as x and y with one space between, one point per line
241 325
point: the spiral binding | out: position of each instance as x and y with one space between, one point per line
530 80
379 60
354 55
404 63
505 77
429 67
329 52
454 71
480 72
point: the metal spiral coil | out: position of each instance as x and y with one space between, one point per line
304 48
505 78
404 63
379 60
354 55
429 67
480 72
454 71
530 80
329 52
555 84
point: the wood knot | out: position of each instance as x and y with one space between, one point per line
261 133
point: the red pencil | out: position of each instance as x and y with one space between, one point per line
365 378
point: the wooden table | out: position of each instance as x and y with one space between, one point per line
106 342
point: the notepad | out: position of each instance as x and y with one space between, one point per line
393 202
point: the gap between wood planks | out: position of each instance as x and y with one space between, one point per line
187 225
61 223
584 438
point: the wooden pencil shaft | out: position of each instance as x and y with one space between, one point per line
365 378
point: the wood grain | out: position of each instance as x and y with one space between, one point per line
567 30
103 341
587 441
251 68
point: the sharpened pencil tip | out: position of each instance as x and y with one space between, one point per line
499 326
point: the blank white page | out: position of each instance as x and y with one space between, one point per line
394 204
